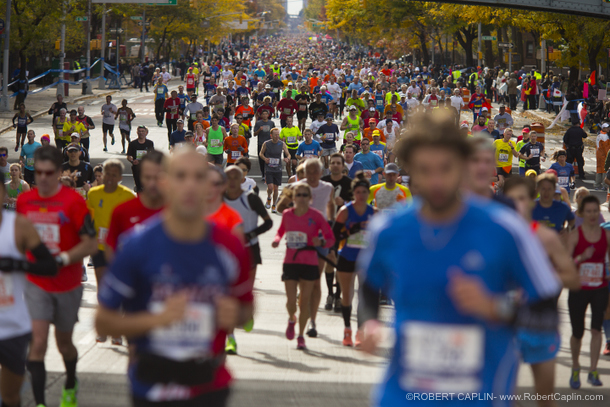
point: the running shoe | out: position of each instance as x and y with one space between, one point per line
101 339
273 210
347 337
290 330
301 343
312 333
337 307
606 351
112 141
575 379
117 341
231 348
105 149
248 326
90 263
329 302
16 148
593 378
123 152
359 338
68 397
268 204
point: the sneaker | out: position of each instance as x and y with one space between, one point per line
268 204
347 337
575 379
290 330
112 141
68 397
359 338
84 276
123 152
105 149
337 307
329 302
312 333
593 378
383 300
117 341
301 343
248 326
101 339
90 263
16 148
606 351
231 348
273 209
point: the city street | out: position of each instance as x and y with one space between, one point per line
269 371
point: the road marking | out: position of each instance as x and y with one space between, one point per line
96 102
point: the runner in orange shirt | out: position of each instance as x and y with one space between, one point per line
368 132
246 111
235 146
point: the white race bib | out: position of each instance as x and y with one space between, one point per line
7 299
29 162
49 234
287 111
193 116
441 357
140 154
235 155
535 152
302 108
503 158
274 162
358 240
378 153
215 142
329 136
591 274
563 181
192 337
296 240
160 91
291 139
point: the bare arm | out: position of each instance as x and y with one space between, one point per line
561 260
330 206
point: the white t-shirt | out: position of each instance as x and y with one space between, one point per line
315 126
166 77
414 91
248 185
457 102
335 91
108 112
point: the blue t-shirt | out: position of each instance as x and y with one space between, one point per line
379 101
326 97
27 151
260 73
563 174
210 90
378 149
183 99
438 349
160 92
177 137
150 266
332 134
356 240
553 217
309 150
371 162
353 86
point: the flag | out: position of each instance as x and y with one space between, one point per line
592 78
585 91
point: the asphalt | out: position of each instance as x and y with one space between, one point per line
268 369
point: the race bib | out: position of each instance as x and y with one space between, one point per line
61 133
441 357
563 181
29 162
287 111
503 158
291 139
101 235
535 152
215 142
235 155
296 240
275 90
591 274
191 337
193 116
174 110
302 108
49 234
329 136
265 128
358 240
309 154
378 153
7 299
245 116
274 162
123 117
190 82
140 154
160 91
380 103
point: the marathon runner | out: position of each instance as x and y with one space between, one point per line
136 150
80 171
64 224
176 325
109 111
291 136
385 196
125 116
271 154
23 118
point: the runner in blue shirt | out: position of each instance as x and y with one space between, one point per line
551 213
26 158
447 262
565 171
326 97
371 162
309 148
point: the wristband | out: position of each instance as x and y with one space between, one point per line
62 259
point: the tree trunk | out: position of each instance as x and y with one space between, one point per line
489 52
465 37
424 49
23 84
161 43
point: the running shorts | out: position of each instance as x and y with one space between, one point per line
60 309
298 272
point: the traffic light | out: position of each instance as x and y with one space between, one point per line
57 44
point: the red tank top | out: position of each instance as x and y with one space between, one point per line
592 270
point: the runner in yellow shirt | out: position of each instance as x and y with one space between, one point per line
384 196
506 149
291 135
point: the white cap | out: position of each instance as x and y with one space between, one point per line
290 84
605 125
484 109
202 150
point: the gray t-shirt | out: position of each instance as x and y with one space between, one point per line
265 133
108 112
273 152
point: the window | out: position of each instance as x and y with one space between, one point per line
530 49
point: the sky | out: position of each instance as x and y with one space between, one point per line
294 6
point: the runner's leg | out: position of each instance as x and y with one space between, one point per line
35 364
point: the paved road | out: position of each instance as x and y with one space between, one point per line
268 368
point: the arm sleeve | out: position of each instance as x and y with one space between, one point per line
257 205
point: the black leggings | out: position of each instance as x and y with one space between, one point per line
577 305
159 109
214 399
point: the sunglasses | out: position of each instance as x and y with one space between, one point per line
302 195
3 155
47 173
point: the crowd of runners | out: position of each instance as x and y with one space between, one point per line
372 173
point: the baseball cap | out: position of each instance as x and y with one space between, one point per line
376 133
72 147
180 121
484 109
605 125
330 116
290 84
352 107
189 134
526 130
75 135
464 125
267 86
529 173
391 168
371 120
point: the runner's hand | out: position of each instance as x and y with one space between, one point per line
275 245
175 307
469 295
227 312
372 336
316 241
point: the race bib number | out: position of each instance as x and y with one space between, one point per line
29 162
49 234
123 117
380 103
7 299
275 90
535 152
235 154
329 136
591 274
101 235
174 110
503 158
434 103
274 162
265 128
287 111
378 153
245 116
140 154
358 240
60 133
81 191
291 139
563 181
190 82
302 108
193 116
215 143
296 240
191 337
160 91
442 357
309 154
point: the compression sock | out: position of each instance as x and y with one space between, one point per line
70 373
347 314
39 379
606 326
337 290
329 282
